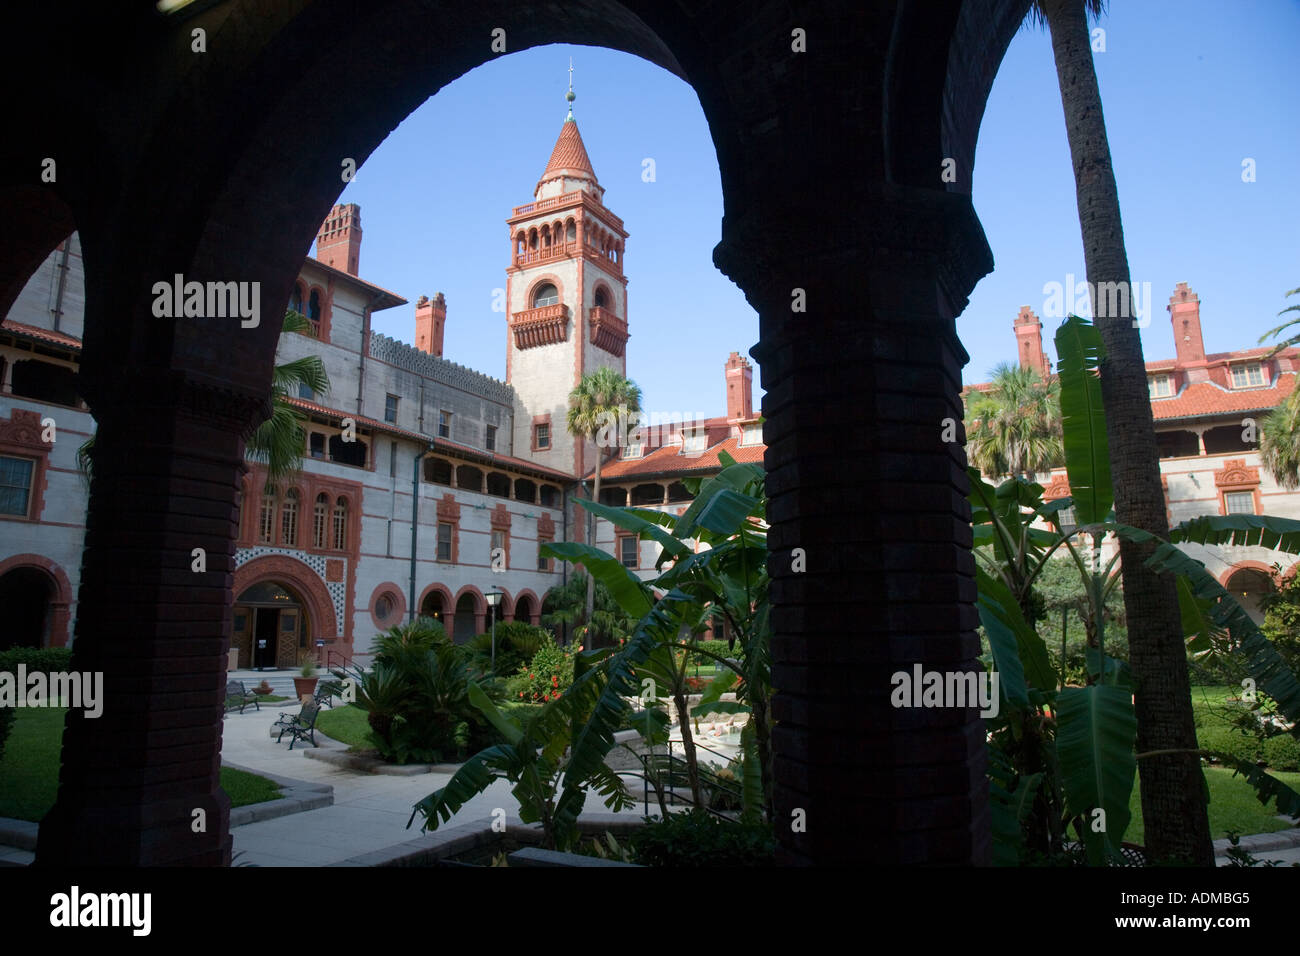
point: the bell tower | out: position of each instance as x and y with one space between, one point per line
566 300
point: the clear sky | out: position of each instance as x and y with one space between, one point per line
1191 88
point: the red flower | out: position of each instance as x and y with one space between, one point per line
554 680
544 697
521 693
530 676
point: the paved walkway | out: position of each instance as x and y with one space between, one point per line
370 811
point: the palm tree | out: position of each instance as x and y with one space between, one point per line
278 441
1014 428
598 399
1279 446
1173 801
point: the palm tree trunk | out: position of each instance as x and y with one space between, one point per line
591 540
1173 802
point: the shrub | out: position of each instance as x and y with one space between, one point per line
43 659
517 642
547 676
697 838
422 633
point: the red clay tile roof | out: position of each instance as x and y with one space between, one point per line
570 155
1207 398
359 419
668 460
43 335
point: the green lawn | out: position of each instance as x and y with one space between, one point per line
347 724
30 768
1233 806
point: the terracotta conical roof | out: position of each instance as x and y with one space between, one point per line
569 158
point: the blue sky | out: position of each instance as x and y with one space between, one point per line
1189 92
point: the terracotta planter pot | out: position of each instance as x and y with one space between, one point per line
305 686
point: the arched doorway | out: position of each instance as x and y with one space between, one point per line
467 615
1248 585
25 595
271 626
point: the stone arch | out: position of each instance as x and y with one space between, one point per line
1248 581
60 601
529 605
546 278
437 590
304 581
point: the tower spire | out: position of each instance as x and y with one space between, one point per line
570 95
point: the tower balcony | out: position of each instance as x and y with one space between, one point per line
543 326
559 250
608 331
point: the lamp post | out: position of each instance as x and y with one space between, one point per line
493 598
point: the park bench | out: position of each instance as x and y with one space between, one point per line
299 726
237 696
326 691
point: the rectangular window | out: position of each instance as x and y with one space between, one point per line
1065 518
1246 376
304 391
1239 502
543 562
444 541
1159 386
633 450
16 485
267 523
444 424
390 409
751 435
317 444
543 436
693 441
490 439
628 551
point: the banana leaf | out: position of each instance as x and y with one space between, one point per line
1095 735
1083 419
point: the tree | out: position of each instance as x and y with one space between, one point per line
601 400
1173 800
1279 446
279 440
1014 429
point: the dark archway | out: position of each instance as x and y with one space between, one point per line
25 595
836 225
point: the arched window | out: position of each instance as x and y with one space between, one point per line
313 309
289 519
570 231
266 524
318 521
340 524
295 301
602 300
546 294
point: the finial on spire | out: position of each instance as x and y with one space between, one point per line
570 95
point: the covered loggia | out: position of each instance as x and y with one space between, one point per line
831 126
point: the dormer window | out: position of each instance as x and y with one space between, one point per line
633 450
751 434
1247 375
693 441
1159 386
545 295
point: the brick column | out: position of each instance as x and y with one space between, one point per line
167 465
858 385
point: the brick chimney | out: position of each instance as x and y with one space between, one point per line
740 388
430 319
1029 341
338 243
1185 315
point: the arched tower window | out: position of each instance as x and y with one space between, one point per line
266 524
570 232
340 524
313 309
289 519
318 521
295 301
546 294
602 300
